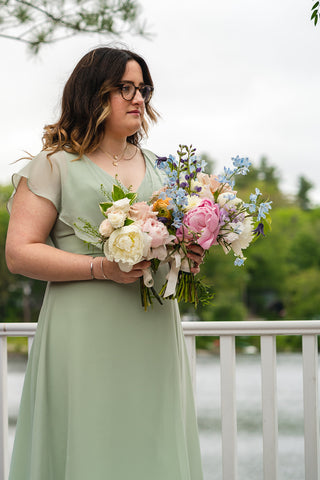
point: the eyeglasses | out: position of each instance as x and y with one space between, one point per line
128 91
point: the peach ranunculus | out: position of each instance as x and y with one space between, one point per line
161 206
201 224
141 211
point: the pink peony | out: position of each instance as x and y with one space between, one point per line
157 231
141 211
201 224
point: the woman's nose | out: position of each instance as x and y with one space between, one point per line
138 98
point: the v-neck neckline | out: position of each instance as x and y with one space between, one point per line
111 177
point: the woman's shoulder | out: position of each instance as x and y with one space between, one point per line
51 156
149 154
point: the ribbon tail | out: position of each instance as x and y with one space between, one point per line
172 276
147 278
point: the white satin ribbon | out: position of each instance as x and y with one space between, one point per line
177 263
147 278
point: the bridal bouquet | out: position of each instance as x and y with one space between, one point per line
192 208
203 209
130 233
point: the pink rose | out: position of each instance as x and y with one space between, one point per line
201 224
157 231
141 211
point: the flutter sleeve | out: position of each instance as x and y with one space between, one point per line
43 178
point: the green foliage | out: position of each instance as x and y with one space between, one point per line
302 195
20 298
315 13
41 22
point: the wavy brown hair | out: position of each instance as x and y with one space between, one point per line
85 102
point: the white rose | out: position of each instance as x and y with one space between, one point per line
105 228
127 246
228 198
240 241
123 205
117 218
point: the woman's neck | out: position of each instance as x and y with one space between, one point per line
113 146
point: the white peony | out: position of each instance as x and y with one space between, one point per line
127 246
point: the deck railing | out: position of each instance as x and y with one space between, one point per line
227 331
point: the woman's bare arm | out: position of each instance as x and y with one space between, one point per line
31 221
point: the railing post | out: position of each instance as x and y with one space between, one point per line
310 401
3 410
228 407
269 407
192 355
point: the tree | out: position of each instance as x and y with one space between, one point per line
42 22
302 195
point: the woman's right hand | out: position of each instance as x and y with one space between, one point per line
112 271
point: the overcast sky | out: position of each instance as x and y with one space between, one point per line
232 77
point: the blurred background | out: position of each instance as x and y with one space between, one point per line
231 78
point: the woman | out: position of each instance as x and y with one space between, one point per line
107 393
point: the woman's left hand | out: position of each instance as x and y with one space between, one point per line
196 254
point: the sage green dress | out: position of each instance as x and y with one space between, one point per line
107 393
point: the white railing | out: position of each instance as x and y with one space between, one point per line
227 331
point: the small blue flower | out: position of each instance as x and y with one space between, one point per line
254 196
239 262
251 206
242 164
263 210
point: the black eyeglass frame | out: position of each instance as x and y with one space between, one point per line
141 87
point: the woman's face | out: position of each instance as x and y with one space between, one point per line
126 116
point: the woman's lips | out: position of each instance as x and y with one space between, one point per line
135 112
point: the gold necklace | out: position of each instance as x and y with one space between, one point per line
118 158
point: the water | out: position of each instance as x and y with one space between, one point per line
248 384
249 416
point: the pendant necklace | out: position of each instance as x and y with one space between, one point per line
117 158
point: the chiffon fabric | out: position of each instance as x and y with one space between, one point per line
107 392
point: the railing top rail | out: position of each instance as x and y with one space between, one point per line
246 328
17 329
251 328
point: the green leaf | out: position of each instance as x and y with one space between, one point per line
316 19
315 5
104 206
117 193
314 15
132 196
128 221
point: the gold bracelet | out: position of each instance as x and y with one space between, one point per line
104 276
91 270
